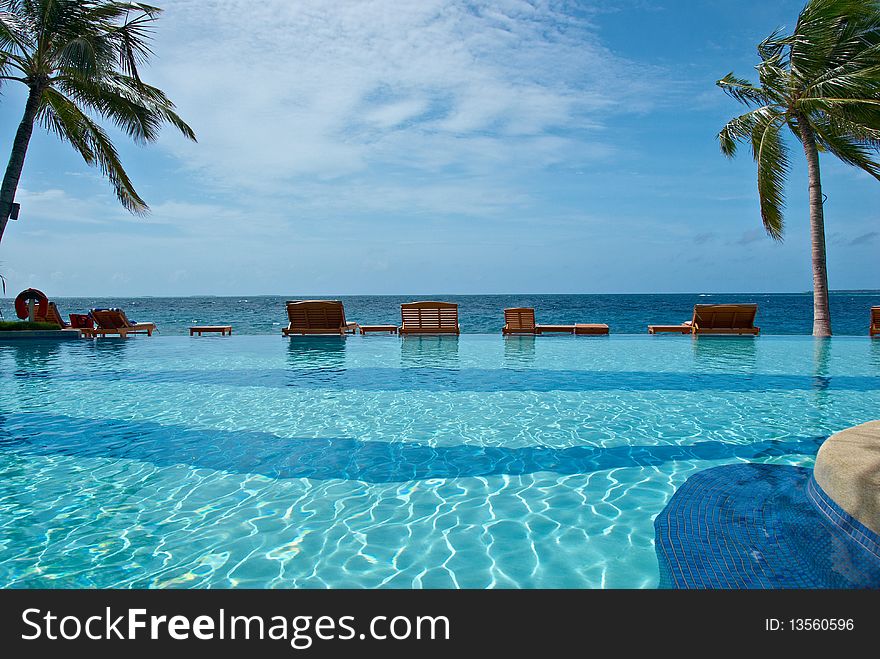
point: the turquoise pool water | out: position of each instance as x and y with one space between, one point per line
257 461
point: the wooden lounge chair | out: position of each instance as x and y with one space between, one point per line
53 316
317 317
114 321
875 321
716 319
429 318
521 320
684 328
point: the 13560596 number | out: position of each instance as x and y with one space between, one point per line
821 624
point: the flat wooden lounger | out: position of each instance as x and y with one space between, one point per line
317 317
378 329
114 321
684 328
733 319
429 318
875 321
521 320
548 329
222 330
590 329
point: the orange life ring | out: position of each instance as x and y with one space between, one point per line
21 303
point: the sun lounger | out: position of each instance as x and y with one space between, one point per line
716 319
591 329
554 329
81 321
684 328
521 320
429 318
114 321
875 321
725 319
53 316
317 317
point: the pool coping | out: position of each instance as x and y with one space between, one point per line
41 335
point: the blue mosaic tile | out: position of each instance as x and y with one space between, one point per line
762 526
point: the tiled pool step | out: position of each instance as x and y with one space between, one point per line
774 526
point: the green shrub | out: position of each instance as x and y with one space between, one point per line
19 326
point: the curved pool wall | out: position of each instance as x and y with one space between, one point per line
761 526
257 461
780 313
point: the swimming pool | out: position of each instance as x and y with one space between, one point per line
257 461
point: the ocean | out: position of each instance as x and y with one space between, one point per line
778 313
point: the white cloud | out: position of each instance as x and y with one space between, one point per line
390 115
284 94
361 133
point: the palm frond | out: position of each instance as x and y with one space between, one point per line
860 121
773 46
858 78
61 116
828 33
14 33
136 108
738 130
742 90
132 35
775 79
858 118
848 147
83 53
834 105
84 56
771 155
853 50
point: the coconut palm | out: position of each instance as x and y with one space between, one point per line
79 60
822 82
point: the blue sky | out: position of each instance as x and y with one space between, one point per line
370 147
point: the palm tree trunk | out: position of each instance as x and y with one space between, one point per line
821 310
16 160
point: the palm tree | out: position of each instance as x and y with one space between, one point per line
79 59
823 83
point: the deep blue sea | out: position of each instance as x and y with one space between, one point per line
778 313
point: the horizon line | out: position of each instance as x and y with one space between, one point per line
449 294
